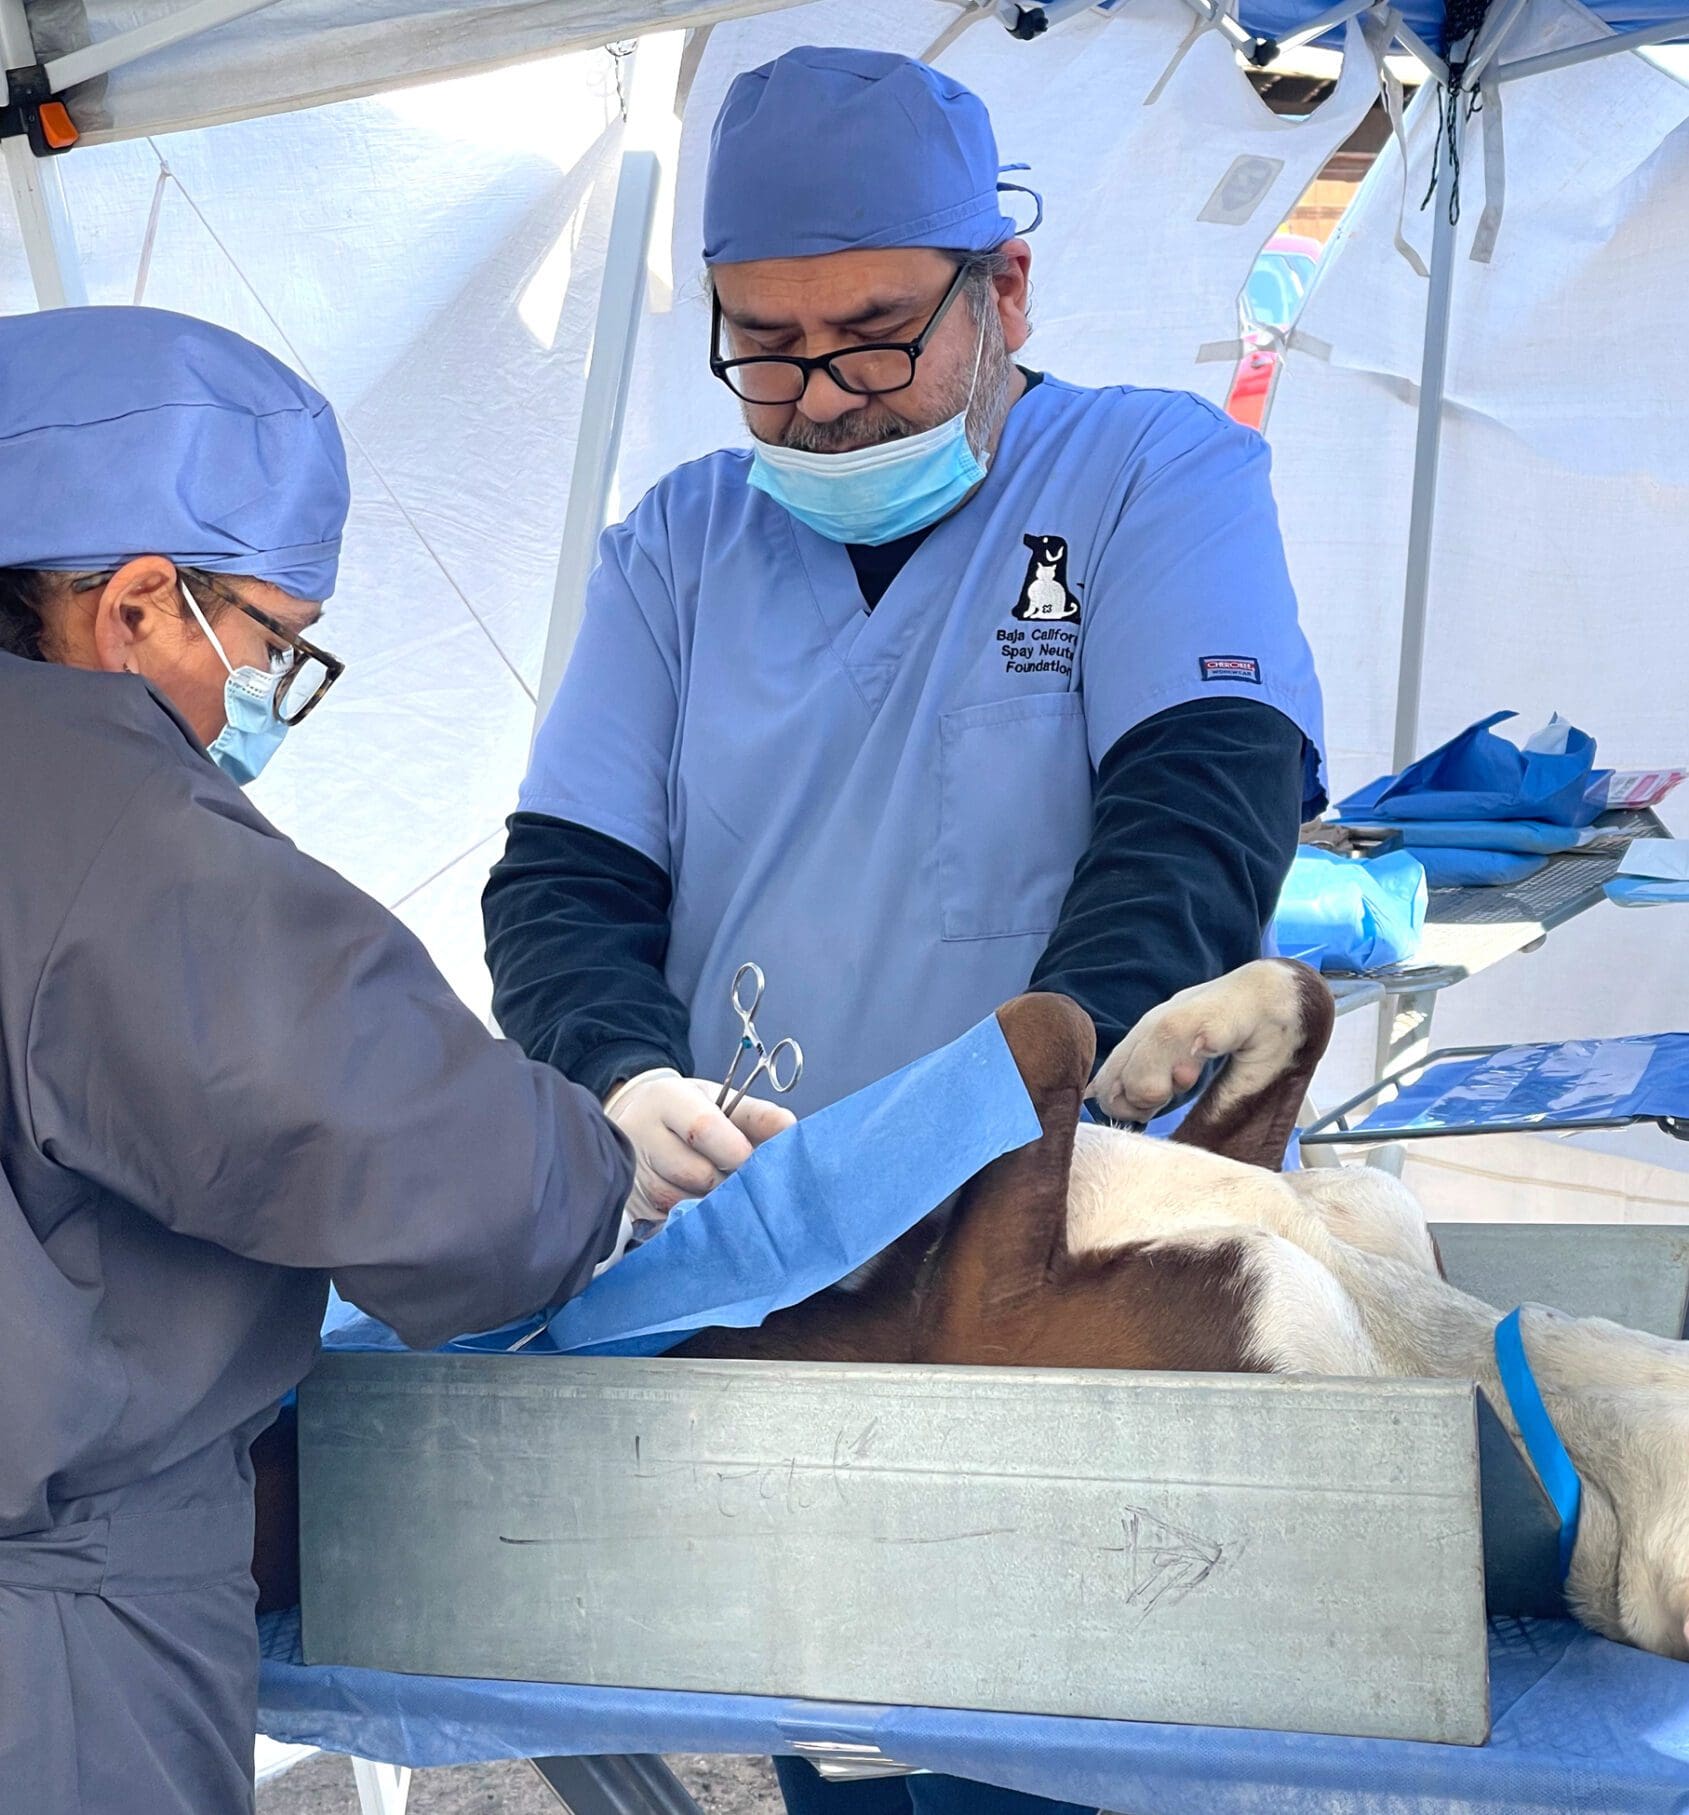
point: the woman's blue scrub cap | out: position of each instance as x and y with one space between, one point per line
129 432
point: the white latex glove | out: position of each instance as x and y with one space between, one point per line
624 1245
683 1145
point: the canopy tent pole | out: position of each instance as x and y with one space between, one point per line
1427 448
1498 22
1598 47
127 47
37 194
650 147
1411 41
1223 22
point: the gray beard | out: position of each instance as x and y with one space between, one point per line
874 425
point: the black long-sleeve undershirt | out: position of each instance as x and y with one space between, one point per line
1195 823
1195 819
577 928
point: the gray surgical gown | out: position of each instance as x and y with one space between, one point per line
226 1076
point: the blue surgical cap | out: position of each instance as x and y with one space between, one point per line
835 150
129 432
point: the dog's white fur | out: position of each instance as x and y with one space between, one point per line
1346 1282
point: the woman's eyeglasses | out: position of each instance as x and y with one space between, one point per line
307 671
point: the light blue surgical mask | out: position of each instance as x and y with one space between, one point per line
253 731
876 494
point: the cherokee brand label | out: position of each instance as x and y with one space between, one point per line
1231 668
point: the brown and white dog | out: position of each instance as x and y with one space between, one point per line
1097 1247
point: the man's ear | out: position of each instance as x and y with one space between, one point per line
1014 294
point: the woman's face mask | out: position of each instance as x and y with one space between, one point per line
252 731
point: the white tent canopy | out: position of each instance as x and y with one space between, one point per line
223 60
451 264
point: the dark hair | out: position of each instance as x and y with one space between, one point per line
25 592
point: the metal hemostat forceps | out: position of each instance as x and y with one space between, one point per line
781 1064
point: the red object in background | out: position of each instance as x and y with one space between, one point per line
1271 299
1248 400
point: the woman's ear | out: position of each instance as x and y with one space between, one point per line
135 606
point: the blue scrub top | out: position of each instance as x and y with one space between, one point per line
884 810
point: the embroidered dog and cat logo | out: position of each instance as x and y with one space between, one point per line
1044 596
1049 606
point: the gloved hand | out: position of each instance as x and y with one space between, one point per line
624 1245
683 1145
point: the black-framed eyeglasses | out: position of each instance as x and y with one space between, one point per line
867 371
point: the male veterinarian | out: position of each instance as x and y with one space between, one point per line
960 679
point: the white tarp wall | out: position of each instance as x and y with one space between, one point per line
1525 1178
1562 529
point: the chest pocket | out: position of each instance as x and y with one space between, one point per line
1014 814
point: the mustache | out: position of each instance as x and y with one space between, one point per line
876 425
845 434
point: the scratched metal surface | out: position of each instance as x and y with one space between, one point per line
1229 1550
1636 1274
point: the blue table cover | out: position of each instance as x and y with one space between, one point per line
1548 1086
1579 1725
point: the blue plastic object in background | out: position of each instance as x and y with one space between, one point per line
1478 775
1350 914
1643 891
1563 1083
1457 867
1653 873
1522 837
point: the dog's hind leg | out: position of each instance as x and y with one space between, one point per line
994 1253
1008 1233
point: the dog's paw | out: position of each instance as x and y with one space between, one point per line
1258 1011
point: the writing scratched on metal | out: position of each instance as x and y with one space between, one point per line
792 1485
1163 1562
